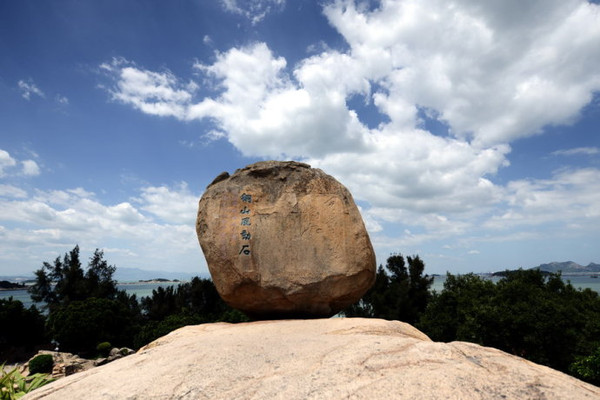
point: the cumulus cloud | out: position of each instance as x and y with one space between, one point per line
11 191
29 88
491 73
569 197
176 206
159 218
30 168
8 166
6 162
155 93
254 10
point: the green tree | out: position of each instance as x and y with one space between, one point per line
81 325
461 310
22 330
198 297
99 277
526 313
402 294
190 303
85 307
61 282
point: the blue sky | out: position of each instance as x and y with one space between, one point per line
468 132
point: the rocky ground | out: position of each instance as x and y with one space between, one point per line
338 358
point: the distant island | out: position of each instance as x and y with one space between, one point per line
123 275
6 285
566 268
569 267
158 280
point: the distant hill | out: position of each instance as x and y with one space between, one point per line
569 267
16 278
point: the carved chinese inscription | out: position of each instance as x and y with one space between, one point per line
245 221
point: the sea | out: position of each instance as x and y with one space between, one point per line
144 289
140 289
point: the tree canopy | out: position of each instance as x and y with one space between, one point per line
65 281
526 313
400 294
85 307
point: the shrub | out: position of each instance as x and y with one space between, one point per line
588 368
104 349
41 364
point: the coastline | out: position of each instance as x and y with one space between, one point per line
151 282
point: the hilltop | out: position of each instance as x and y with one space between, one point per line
337 358
569 267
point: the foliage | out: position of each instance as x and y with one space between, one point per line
527 313
13 385
189 303
80 325
85 307
22 328
198 297
461 311
588 368
156 329
65 281
402 294
41 364
104 349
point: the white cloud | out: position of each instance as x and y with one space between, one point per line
12 191
155 93
158 224
569 197
491 72
253 10
265 113
28 88
177 206
6 162
62 99
587 151
30 168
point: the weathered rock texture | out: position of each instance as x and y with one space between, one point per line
335 358
282 239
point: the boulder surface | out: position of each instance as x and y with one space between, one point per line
337 358
282 240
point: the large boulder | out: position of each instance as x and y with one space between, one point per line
283 240
337 358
